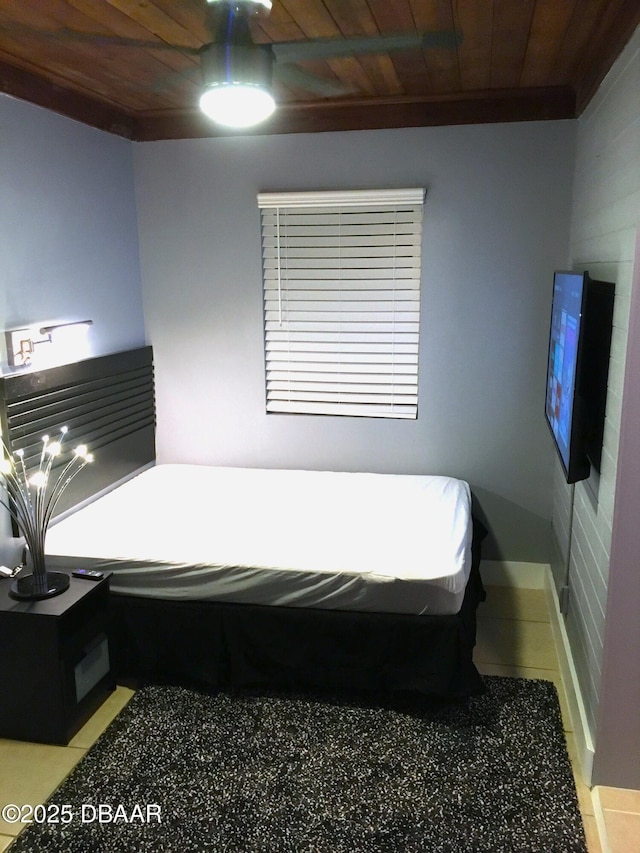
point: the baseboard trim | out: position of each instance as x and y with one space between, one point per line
601 824
514 574
581 731
539 576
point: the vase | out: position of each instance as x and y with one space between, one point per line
40 583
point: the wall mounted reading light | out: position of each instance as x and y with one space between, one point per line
44 346
50 330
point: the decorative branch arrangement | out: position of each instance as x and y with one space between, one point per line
32 497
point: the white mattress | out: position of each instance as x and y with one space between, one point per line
372 542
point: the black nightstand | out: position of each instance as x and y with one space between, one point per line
54 661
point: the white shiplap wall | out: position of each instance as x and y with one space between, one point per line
605 219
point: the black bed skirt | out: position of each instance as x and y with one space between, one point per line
214 646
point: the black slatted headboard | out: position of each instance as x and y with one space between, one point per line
107 403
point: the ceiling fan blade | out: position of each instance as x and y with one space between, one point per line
332 48
99 39
192 75
293 75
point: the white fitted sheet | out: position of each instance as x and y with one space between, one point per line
348 541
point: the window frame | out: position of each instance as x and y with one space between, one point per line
326 353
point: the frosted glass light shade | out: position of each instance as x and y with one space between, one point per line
237 104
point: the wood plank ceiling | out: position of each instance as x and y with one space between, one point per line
107 62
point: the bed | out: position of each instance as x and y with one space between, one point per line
253 578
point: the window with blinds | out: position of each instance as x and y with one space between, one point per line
342 301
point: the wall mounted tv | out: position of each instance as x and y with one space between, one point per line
578 369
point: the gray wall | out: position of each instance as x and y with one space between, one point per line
68 231
618 731
604 227
68 228
496 225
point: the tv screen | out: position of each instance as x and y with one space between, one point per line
577 370
562 405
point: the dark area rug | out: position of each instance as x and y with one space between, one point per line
296 774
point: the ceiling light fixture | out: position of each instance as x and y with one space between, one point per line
237 73
237 104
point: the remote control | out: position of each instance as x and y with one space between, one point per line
88 574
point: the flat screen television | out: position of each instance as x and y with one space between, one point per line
578 369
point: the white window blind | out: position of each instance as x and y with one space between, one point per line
342 301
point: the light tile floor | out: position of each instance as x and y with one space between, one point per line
514 638
30 772
620 811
